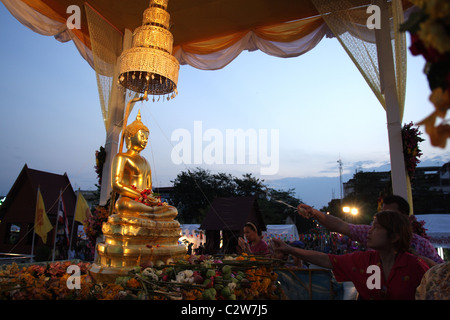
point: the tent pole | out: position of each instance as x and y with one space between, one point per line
387 77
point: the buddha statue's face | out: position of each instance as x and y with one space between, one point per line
139 141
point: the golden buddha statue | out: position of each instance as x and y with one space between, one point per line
136 233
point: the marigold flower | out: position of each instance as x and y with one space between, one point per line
133 283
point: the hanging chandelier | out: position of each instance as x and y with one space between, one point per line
149 66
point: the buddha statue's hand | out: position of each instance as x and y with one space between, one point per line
152 201
145 196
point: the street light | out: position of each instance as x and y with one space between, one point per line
352 210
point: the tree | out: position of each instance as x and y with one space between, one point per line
195 190
249 186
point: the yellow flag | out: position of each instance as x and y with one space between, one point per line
41 223
82 211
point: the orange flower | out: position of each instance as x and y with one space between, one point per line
265 284
110 291
250 272
133 283
438 134
441 100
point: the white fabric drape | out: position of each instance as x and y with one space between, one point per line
251 42
46 26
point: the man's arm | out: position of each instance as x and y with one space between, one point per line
330 222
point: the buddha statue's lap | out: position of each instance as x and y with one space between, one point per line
127 206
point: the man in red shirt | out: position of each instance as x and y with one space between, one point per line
388 272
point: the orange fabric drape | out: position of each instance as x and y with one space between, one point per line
289 31
284 32
46 10
55 12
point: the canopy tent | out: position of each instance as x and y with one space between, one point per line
438 228
286 232
210 34
193 234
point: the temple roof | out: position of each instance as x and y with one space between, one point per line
22 195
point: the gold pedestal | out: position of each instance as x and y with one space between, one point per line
133 240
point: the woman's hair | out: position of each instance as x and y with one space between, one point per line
254 228
396 224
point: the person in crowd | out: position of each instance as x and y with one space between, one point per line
255 245
189 250
421 246
200 250
388 272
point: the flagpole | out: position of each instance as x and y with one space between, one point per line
32 245
56 228
34 224
73 222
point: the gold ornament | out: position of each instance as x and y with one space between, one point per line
149 65
135 126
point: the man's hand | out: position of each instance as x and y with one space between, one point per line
305 211
280 249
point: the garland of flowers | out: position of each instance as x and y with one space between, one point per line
192 278
418 227
429 28
45 282
411 151
100 158
93 225
149 198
